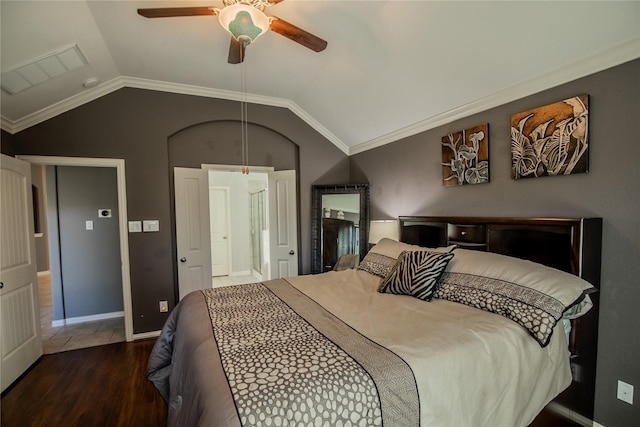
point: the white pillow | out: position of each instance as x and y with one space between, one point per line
531 294
381 259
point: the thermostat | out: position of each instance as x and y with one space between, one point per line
104 213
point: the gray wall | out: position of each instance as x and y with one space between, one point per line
53 233
7 143
136 125
42 241
89 259
405 178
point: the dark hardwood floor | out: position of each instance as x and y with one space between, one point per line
548 419
104 386
97 386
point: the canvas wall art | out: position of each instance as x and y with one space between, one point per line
551 140
465 156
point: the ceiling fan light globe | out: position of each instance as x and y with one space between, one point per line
243 21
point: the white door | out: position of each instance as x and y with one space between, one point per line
192 229
19 308
283 224
219 211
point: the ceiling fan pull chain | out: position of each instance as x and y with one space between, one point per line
244 114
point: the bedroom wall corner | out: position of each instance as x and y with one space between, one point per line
405 178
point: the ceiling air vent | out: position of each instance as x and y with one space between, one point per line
41 69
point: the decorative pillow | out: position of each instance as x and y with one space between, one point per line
381 259
416 273
531 294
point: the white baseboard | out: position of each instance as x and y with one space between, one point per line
571 415
240 273
92 318
146 335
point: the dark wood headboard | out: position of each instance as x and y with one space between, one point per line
569 244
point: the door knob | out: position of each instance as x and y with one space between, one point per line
183 259
1 285
291 252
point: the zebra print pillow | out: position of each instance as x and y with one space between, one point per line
416 273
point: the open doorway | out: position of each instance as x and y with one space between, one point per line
239 226
81 302
193 227
117 323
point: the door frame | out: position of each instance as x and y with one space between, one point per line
227 195
235 169
118 164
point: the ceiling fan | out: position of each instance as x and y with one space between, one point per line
245 20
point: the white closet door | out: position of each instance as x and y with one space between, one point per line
21 342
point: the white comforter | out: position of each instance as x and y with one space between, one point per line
472 368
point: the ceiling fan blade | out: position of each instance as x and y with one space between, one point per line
298 35
169 12
236 51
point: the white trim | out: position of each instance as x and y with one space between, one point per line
236 168
598 61
594 63
571 415
240 273
229 237
146 335
91 318
311 121
60 107
122 213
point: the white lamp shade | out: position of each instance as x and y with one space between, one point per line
244 20
378 230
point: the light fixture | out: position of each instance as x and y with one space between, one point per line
381 229
244 22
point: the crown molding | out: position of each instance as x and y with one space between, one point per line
599 61
306 117
236 96
58 108
594 63
134 82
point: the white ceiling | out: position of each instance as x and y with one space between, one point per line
391 68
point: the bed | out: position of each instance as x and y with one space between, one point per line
441 329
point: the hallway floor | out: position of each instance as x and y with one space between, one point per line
221 281
79 335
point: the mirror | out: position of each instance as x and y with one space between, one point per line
339 223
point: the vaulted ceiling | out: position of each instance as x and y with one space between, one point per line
391 68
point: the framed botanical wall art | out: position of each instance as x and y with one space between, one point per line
551 140
465 156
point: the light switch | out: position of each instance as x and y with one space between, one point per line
149 225
135 226
88 225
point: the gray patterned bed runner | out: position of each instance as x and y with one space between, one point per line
291 362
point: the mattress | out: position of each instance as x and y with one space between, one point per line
407 361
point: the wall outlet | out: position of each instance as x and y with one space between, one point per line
164 307
625 392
